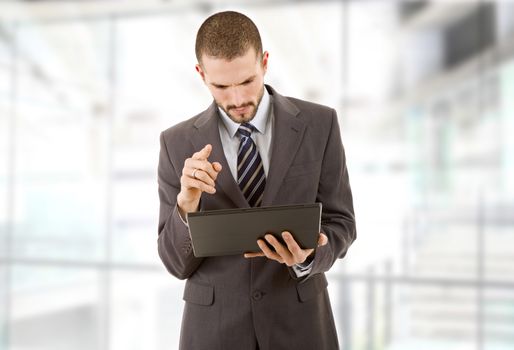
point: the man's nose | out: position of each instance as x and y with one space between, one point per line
237 96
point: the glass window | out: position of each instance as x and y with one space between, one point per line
61 141
156 88
428 138
5 123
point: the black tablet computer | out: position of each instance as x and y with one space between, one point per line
235 231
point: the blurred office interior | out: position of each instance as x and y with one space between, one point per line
425 95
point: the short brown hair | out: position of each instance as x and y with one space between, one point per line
227 35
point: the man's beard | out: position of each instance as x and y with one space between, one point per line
243 118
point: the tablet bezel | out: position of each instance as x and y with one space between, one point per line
218 232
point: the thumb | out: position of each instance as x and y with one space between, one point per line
323 240
217 166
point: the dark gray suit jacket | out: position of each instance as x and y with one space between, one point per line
231 301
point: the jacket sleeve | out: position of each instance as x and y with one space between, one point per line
334 192
174 242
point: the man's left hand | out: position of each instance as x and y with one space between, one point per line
289 254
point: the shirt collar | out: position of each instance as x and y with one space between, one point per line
259 121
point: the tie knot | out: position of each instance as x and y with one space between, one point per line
245 129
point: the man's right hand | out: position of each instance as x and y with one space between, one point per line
198 175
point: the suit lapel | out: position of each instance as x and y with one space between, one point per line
208 132
288 132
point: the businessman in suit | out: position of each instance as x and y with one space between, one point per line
252 147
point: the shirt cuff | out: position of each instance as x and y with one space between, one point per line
303 269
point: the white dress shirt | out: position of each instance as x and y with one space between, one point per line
263 122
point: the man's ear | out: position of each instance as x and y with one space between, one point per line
200 71
264 62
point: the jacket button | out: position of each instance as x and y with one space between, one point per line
257 295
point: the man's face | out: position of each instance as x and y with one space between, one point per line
237 85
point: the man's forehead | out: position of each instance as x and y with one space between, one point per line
240 63
228 73
232 83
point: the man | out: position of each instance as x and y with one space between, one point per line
252 147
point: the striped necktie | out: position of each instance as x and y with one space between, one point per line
250 172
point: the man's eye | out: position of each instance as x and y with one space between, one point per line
247 82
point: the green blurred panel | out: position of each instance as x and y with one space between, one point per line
498 327
63 218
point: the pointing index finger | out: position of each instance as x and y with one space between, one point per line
204 153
